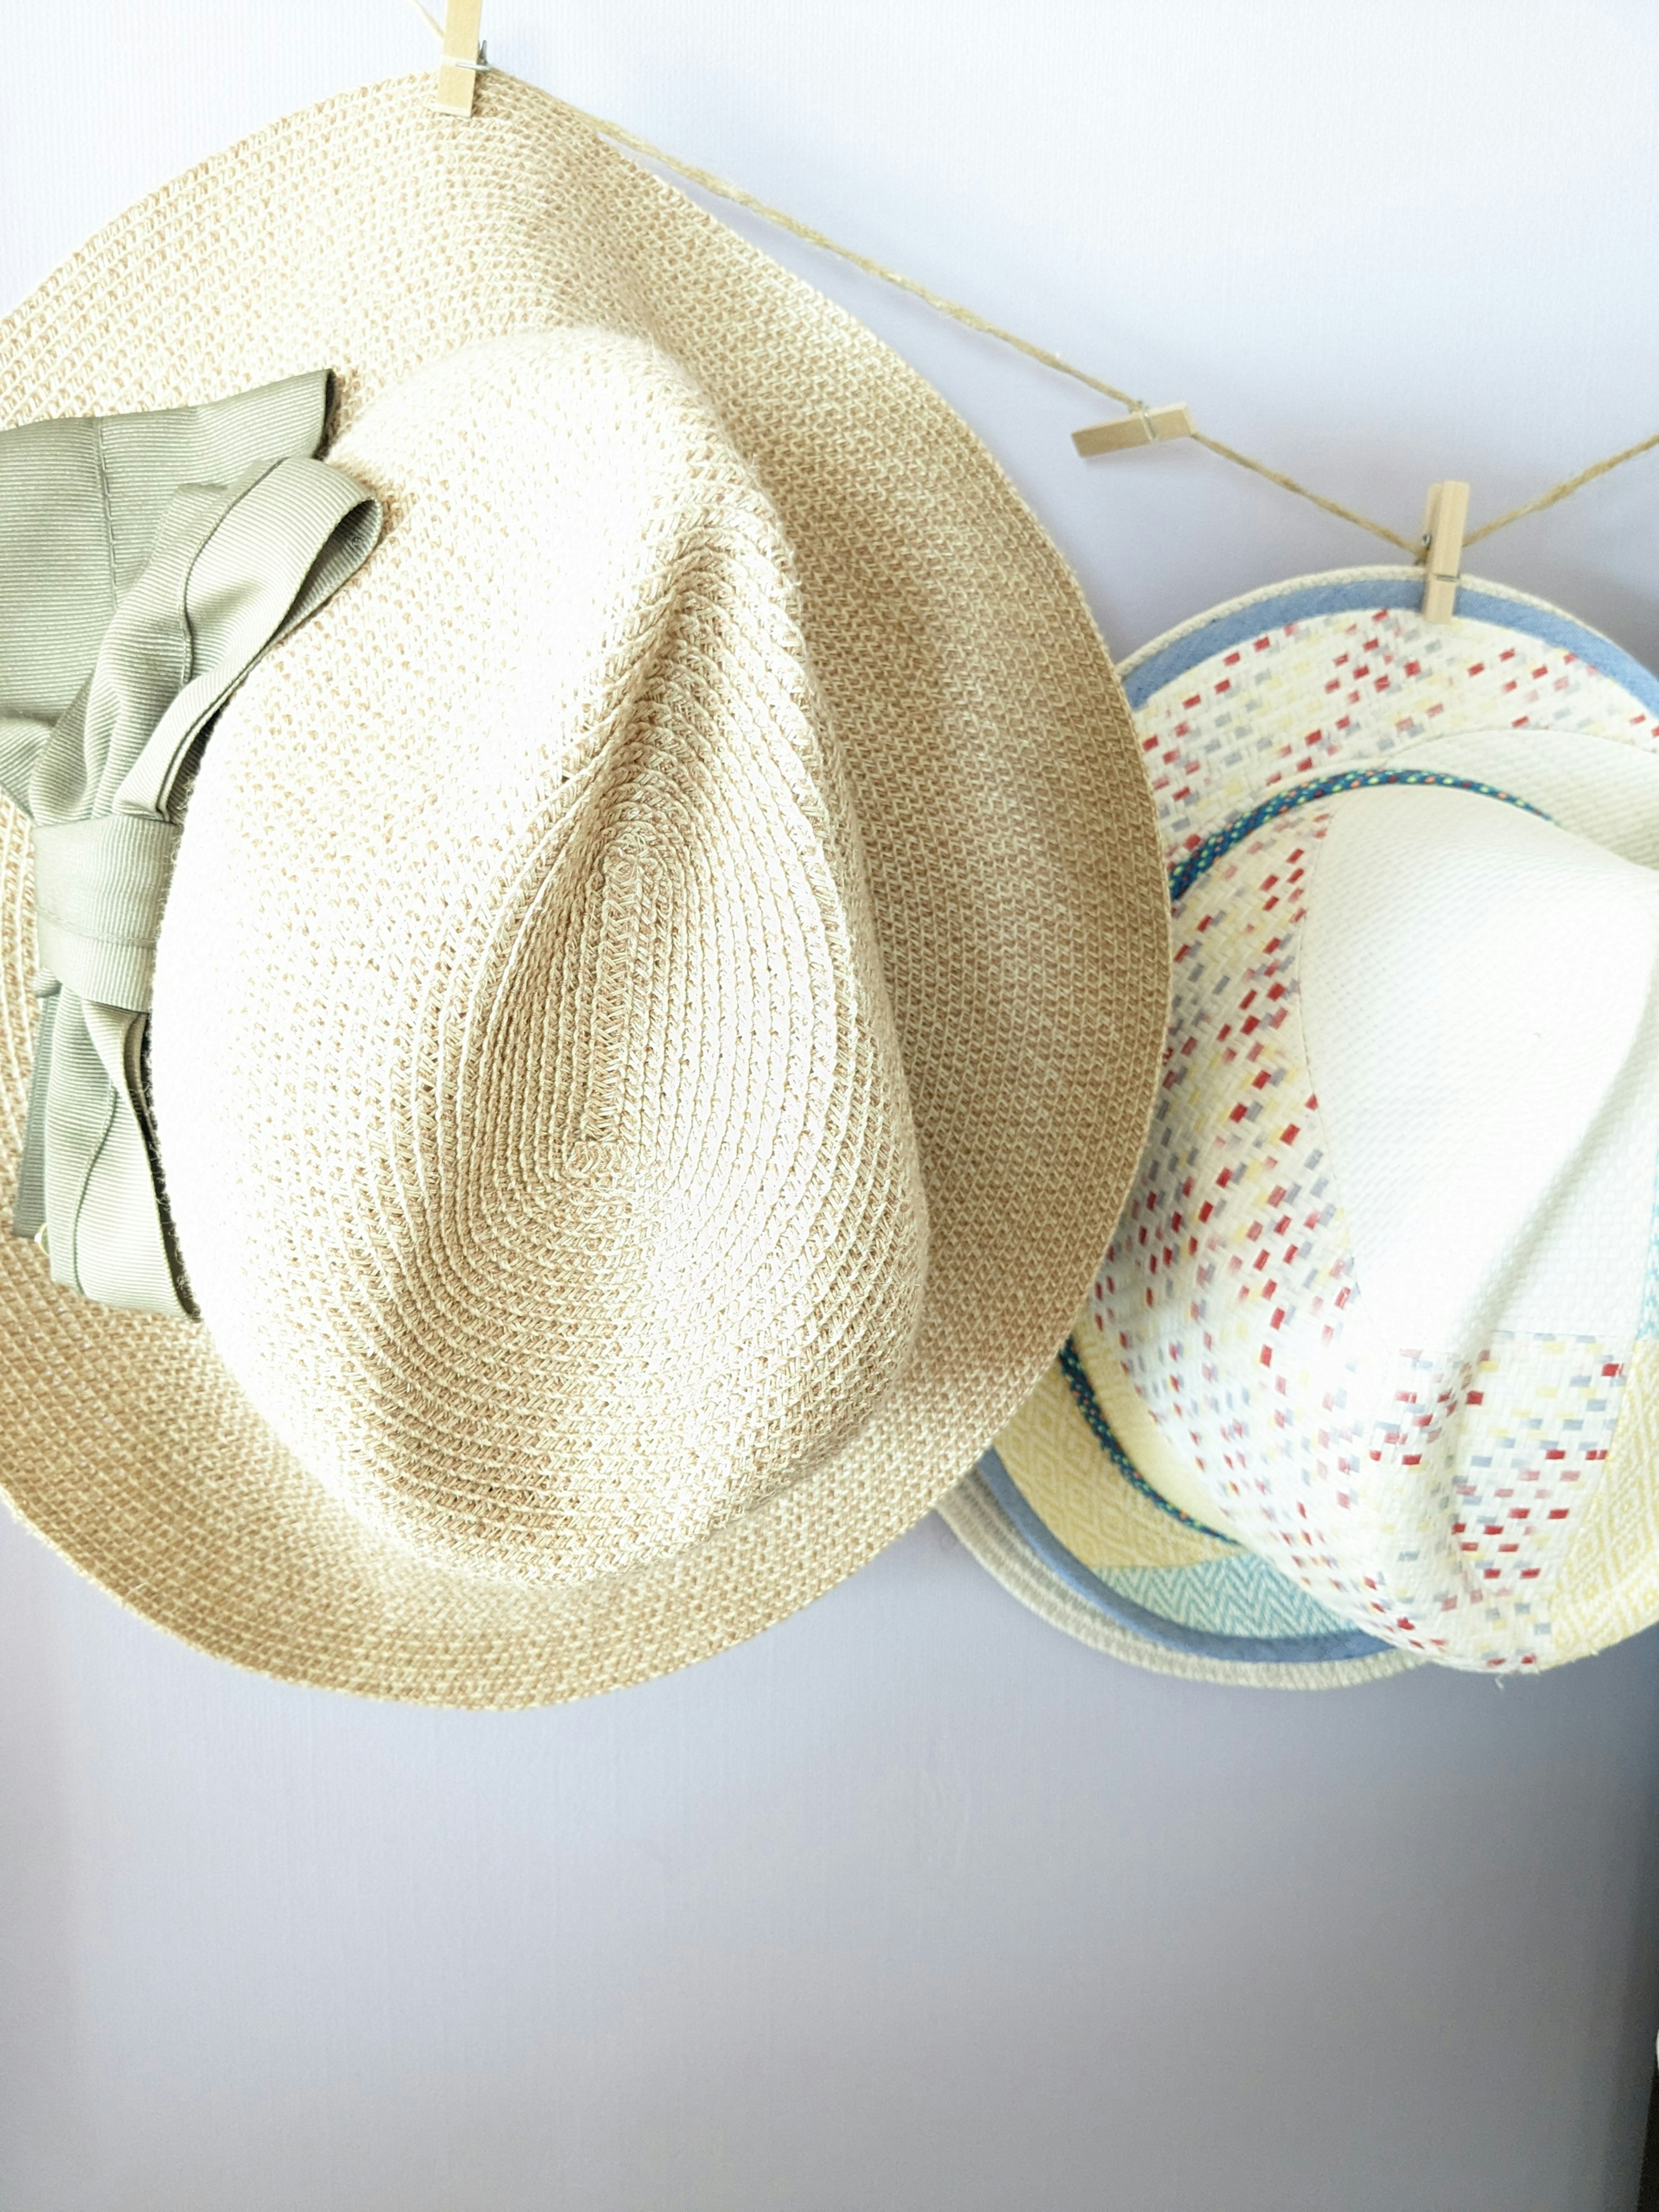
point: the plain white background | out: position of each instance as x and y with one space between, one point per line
912 1905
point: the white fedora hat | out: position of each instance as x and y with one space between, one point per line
1368 1375
664 966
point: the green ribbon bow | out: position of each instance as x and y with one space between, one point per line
145 562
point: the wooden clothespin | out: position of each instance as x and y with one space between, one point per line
1142 426
462 57
1443 521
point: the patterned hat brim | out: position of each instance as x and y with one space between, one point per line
992 1518
1357 591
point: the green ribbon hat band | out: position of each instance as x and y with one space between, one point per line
145 562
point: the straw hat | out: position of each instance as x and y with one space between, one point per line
1368 1373
661 986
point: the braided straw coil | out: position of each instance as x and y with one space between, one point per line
660 1001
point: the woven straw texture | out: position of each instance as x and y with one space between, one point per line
665 1234
948 907
976 1518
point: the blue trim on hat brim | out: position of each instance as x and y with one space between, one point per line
1261 1650
1306 599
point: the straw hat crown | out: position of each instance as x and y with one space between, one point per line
552 1184
659 992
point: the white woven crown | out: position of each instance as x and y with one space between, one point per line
529 1099
1386 1278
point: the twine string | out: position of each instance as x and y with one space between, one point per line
1565 489
972 320
706 180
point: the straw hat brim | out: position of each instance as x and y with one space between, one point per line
1005 817
1513 689
1061 1591
1052 1516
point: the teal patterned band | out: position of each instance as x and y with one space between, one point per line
145 562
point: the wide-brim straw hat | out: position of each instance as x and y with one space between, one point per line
1367 1374
978 795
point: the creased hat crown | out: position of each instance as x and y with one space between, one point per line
528 1096
1382 1278
945 665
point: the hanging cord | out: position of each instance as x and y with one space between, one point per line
1565 490
706 181
967 316
973 321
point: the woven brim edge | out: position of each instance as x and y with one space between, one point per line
973 1515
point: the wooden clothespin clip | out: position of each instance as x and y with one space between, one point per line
1443 521
462 57
1142 426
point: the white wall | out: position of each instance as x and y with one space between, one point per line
914 1905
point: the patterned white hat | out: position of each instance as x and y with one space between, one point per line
629 1123
1368 1375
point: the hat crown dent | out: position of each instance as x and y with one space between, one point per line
1489 1173
531 1110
